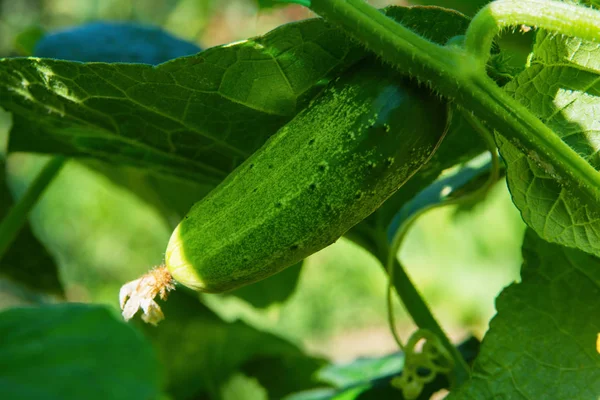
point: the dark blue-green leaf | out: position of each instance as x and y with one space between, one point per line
114 42
74 351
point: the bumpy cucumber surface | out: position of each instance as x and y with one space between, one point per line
319 175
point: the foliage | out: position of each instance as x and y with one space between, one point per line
168 122
72 351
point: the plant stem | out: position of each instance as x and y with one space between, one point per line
412 300
556 16
12 223
422 316
457 74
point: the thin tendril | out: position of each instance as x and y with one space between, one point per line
582 22
478 194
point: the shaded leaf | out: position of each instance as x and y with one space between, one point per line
200 351
274 289
542 342
73 351
172 198
282 375
562 88
445 187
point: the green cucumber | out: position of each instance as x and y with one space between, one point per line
330 167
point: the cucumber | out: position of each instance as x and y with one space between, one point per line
330 167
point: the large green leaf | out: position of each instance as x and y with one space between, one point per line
562 87
542 343
73 351
195 117
200 352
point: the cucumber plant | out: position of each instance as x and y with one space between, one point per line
301 136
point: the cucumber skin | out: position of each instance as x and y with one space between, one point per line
330 167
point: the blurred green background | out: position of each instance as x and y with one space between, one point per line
103 236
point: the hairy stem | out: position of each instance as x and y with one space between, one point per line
457 74
556 16
17 215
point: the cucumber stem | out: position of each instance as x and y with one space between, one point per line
17 216
457 74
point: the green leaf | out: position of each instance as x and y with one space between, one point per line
194 117
361 370
275 289
26 262
542 343
73 351
200 352
172 198
370 378
449 185
562 88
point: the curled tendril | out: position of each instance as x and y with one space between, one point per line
421 367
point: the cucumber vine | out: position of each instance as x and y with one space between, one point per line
458 73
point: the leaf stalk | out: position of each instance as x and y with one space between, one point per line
17 216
